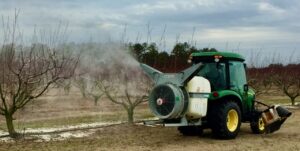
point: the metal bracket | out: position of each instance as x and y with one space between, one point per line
183 122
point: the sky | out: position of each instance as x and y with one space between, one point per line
256 28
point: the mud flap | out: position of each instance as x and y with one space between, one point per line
274 117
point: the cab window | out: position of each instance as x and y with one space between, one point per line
237 75
215 73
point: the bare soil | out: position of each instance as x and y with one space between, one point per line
54 106
139 137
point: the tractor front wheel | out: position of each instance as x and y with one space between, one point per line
225 120
258 125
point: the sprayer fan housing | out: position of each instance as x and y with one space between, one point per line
168 101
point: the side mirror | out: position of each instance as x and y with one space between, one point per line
246 87
245 65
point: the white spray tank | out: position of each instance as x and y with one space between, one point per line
198 89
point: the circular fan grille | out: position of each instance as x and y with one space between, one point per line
167 101
163 100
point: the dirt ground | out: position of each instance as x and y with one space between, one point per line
55 106
139 137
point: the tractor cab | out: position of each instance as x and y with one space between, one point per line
224 70
227 75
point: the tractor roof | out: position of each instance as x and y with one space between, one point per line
224 55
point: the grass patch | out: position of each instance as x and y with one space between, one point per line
276 101
279 101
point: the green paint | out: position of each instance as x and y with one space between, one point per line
177 99
225 55
246 102
224 93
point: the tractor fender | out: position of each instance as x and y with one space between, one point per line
229 95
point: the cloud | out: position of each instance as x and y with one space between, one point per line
269 22
269 8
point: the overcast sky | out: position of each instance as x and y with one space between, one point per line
265 26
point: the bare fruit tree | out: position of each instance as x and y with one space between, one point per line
286 78
128 88
260 79
64 85
27 72
94 92
81 83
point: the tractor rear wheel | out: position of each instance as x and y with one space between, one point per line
190 130
258 125
225 120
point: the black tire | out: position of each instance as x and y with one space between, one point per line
219 119
257 125
190 130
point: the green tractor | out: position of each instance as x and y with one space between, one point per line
212 93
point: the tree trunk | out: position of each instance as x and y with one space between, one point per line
10 126
83 93
293 101
95 100
130 113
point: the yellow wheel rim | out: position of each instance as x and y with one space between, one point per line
232 120
261 124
